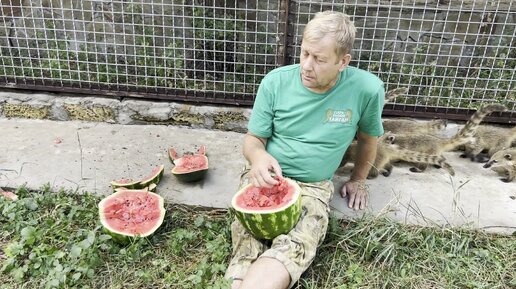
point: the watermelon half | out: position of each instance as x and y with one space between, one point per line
190 167
128 214
147 182
268 213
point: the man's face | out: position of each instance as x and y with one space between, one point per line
320 65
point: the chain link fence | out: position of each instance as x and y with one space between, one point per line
453 55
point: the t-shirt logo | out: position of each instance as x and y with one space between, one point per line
338 116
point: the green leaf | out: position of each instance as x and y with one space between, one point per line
59 254
52 283
91 237
28 234
76 276
8 265
75 251
199 221
104 237
13 249
31 204
18 273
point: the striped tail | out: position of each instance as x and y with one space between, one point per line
471 125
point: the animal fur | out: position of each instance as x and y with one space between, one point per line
504 163
387 153
393 93
489 140
434 145
408 124
412 125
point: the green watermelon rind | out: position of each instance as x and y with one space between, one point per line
268 224
130 185
153 179
121 237
193 175
151 188
141 184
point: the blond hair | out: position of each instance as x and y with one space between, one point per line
336 24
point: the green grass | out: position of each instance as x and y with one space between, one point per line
54 240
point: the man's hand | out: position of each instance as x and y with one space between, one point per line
355 188
261 168
357 193
262 163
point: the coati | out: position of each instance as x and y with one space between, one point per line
489 139
504 163
409 124
387 153
434 145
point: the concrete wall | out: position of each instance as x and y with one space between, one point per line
63 107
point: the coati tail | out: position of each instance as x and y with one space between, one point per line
472 124
393 93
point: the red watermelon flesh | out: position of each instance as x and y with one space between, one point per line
266 198
133 213
189 163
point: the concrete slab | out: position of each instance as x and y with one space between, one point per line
86 156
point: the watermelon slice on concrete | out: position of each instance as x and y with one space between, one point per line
128 214
268 213
154 178
9 195
190 167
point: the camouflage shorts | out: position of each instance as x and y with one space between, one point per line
296 250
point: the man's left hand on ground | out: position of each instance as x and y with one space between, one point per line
357 194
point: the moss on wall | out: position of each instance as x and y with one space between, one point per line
181 118
95 113
223 118
25 111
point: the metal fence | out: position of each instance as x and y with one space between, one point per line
453 56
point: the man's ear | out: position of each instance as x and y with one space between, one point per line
344 61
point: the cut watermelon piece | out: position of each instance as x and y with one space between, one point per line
150 188
268 213
191 166
9 195
125 183
128 214
153 178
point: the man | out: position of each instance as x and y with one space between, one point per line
303 120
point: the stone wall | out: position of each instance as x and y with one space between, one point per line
66 107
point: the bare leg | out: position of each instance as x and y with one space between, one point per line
266 273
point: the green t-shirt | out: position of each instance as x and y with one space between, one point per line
308 132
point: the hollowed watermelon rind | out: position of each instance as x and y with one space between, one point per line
268 224
122 237
124 183
151 188
188 174
154 178
193 174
